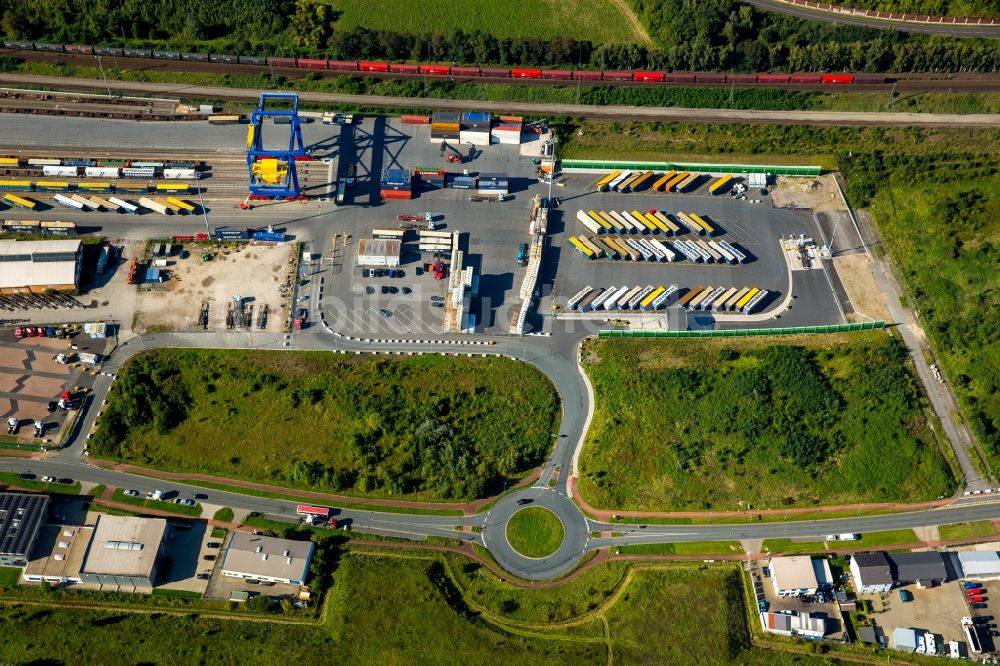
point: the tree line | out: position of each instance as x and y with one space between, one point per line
720 35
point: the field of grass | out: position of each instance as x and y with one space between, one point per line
225 514
599 22
683 548
535 532
882 539
119 496
790 547
9 576
12 479
719 424
426 427
945 241
981 528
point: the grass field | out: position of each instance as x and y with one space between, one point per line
9 576
599 22
535 532
426 427
683 548
718 424
12 479
981 528
119 496
790 547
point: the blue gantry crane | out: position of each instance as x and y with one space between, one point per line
272 172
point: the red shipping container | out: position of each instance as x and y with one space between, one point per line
512 119
397 194
311 63
679 77
741 78
618 76
805 78
654 77
772 78
201 237
404 69
416 120
557 74
282 62
373 66
586 75
526 73
709 77
342 65
465 71
837 78
435 70
495 72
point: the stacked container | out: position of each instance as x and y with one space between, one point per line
475 128
445 127
462 182
493 183
396 184
508 130
430 178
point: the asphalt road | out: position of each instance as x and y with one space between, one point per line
856 118
811 14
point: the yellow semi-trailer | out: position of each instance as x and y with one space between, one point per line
608 229
615 224
638 183
746 298
666 221
709 229
663 180
603 183
719 185
675 181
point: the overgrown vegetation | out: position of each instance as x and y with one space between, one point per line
711 35
429 427
717 424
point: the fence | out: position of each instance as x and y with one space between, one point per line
612 165
744 332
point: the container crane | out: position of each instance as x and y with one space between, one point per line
272 173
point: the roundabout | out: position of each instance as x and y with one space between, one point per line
535 532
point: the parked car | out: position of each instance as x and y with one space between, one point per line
970 585
184 502
131 493
978 606
48 479
437 304
384 290
407 290
213 544
209 557
27 476
437 299
203 576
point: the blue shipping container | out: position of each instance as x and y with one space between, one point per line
476 117
152 275
269 236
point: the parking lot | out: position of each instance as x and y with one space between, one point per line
222 587
938 610
803 606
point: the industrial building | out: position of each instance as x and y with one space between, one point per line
123 551
791 623
21 516
40 265
799 575
926 568
872 572
379 252
264 558
979 564
59 554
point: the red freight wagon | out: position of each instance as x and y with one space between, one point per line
679 77
654 77
373 66
772 78
557 74
495 72
586 75
869 78
465 71
435 70
404 69
282 62
526 73
79 48
837 78
618 76
710 77
805 78
741 78
310 63
343 65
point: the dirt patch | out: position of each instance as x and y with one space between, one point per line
233 272
856 275
820 194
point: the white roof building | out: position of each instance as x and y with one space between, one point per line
799 575
793 624
123 551
258 557
39 265
979 563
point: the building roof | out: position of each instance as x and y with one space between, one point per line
31 263
60 551
874 568
979 562
905 639
800 623
20 517
124 546
867 635
258 555
925 565
794 573
378 247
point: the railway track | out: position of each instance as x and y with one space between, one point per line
930 82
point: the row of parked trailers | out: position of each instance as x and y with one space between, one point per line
110 168
650 222
176 187
653 249
39 227
649 298
722 299
671 181
166 206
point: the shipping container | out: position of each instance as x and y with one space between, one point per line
746 298
43 161
622 177
664 221
732 300
557 74
700 221
647 302
415 120
311 63
124 206
639 182
68 202
581 247
688 182
626 184
715 256
138 172
584 305
64 171
578 297
173 174
51 186
396 194
520 73
602 183
598 303
600 221
661 182
675 181
713 296
607 249
87 186
102 172
755 301
733 250
373 66
626 225
20 202
720 185
154 205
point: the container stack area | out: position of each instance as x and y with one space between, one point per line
508 130
492 184
396 184
445 127
475 128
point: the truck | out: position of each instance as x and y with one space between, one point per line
331 118
426 218
522 255
493 198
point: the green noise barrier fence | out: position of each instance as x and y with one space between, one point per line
612 165
744 332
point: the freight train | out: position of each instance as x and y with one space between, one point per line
371 67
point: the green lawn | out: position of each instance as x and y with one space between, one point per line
718 424
599 22
981 528
119 496
9 576
790 547
868 539
12 479
225 514
683 548
535 532
426 427
885 538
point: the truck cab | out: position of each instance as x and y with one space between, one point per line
522 255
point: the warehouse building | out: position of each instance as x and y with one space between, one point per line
926 568
264 558
871 572
59 554
123 552
799 575
979 564
21 516
40 265
791 623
